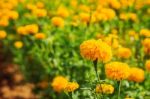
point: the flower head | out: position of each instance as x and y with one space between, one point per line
117 70
136 74
96 49
147 65
58 21
104 88
3 34
71 86
18 44
59 83
124 52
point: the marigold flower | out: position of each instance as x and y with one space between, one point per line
40 5
39 12
3 34
136 74
40 36
21 30
58 21
147 65
96 49
104 88
18 44
124 52
145 32
146 44
117 70
13 15
71 86
63 12
4 21
32 28
59 83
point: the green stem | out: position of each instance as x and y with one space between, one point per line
119 90
96 72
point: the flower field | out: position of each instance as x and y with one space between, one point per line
78 49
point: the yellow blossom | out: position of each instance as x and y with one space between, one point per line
136 74
3 34
58 21
59 83
18 44
71 86
96 49
147 65
104 88
117 70
40 36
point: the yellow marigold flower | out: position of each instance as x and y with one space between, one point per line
117 70
58 21
32 28
146 44
147 65
21 30
145 32
63 12
4 21
31 7
71 86
59 83
13 15
133 17
115 4
18 44
40 36
124 52
3 34
104 88
136 74
96 49
85 17
39 12
40 5
123 16
110 13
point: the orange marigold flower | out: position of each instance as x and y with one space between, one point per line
40 36
96 49
145 32
71 86
104 88
136 74
18 44
147 65
124 52
3 34
32 28
146 44
59 83
58 21
117 70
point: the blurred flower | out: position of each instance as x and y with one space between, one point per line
59 83
4 21
117 70
146 44
96 49
63 12
40 36
18 44
57 21
145 32
3 34
32 28
39 12
147 65
123 52
104 88
71 86
136 74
